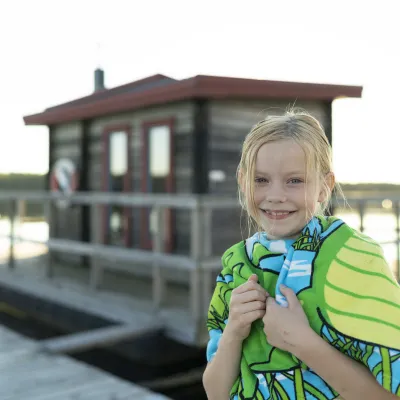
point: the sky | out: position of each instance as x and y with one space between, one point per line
49 50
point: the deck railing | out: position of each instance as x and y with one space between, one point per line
199 261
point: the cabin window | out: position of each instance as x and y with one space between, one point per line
159 158
157 177
118 156
117 227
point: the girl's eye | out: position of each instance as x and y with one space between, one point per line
260 180
295 181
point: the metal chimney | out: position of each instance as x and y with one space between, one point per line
98 80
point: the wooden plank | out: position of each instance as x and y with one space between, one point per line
28 374
113 305
181 111
98 337
183 201
67 150
113 253
101 304
69 389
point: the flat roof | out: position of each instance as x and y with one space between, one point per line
160 89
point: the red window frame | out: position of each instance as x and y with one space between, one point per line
145 237
127 185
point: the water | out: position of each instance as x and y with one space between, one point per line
26 231
38 230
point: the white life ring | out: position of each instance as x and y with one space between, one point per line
64 177
64 180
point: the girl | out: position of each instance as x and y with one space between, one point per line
314 311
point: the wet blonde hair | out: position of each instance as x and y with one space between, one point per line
307 132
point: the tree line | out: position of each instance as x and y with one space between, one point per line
23 182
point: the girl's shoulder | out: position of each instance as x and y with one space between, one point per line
342 236
235 252
362 243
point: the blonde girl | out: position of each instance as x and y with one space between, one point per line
307 307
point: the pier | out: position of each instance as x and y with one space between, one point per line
28 371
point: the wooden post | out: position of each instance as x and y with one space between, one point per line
207 232
13 215
361 209
158 284
48 214
96 271
207 252
196 248
21 210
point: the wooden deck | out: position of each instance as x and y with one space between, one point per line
122 298
29 374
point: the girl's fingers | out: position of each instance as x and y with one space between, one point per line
251 295
253 278
249 285
249 307
251 316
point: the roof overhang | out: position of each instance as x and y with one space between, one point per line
198 87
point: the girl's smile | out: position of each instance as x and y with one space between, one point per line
277 215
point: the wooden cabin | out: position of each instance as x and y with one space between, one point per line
155 135
162 135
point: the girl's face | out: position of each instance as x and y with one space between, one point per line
285 202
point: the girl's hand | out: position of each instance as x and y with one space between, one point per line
248 302
287 327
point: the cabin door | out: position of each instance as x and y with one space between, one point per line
157 177
117 220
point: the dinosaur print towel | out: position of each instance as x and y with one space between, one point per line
347 291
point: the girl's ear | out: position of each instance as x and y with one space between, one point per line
330 183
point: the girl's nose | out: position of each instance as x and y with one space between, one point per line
276 194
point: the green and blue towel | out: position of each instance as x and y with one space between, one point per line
347 291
